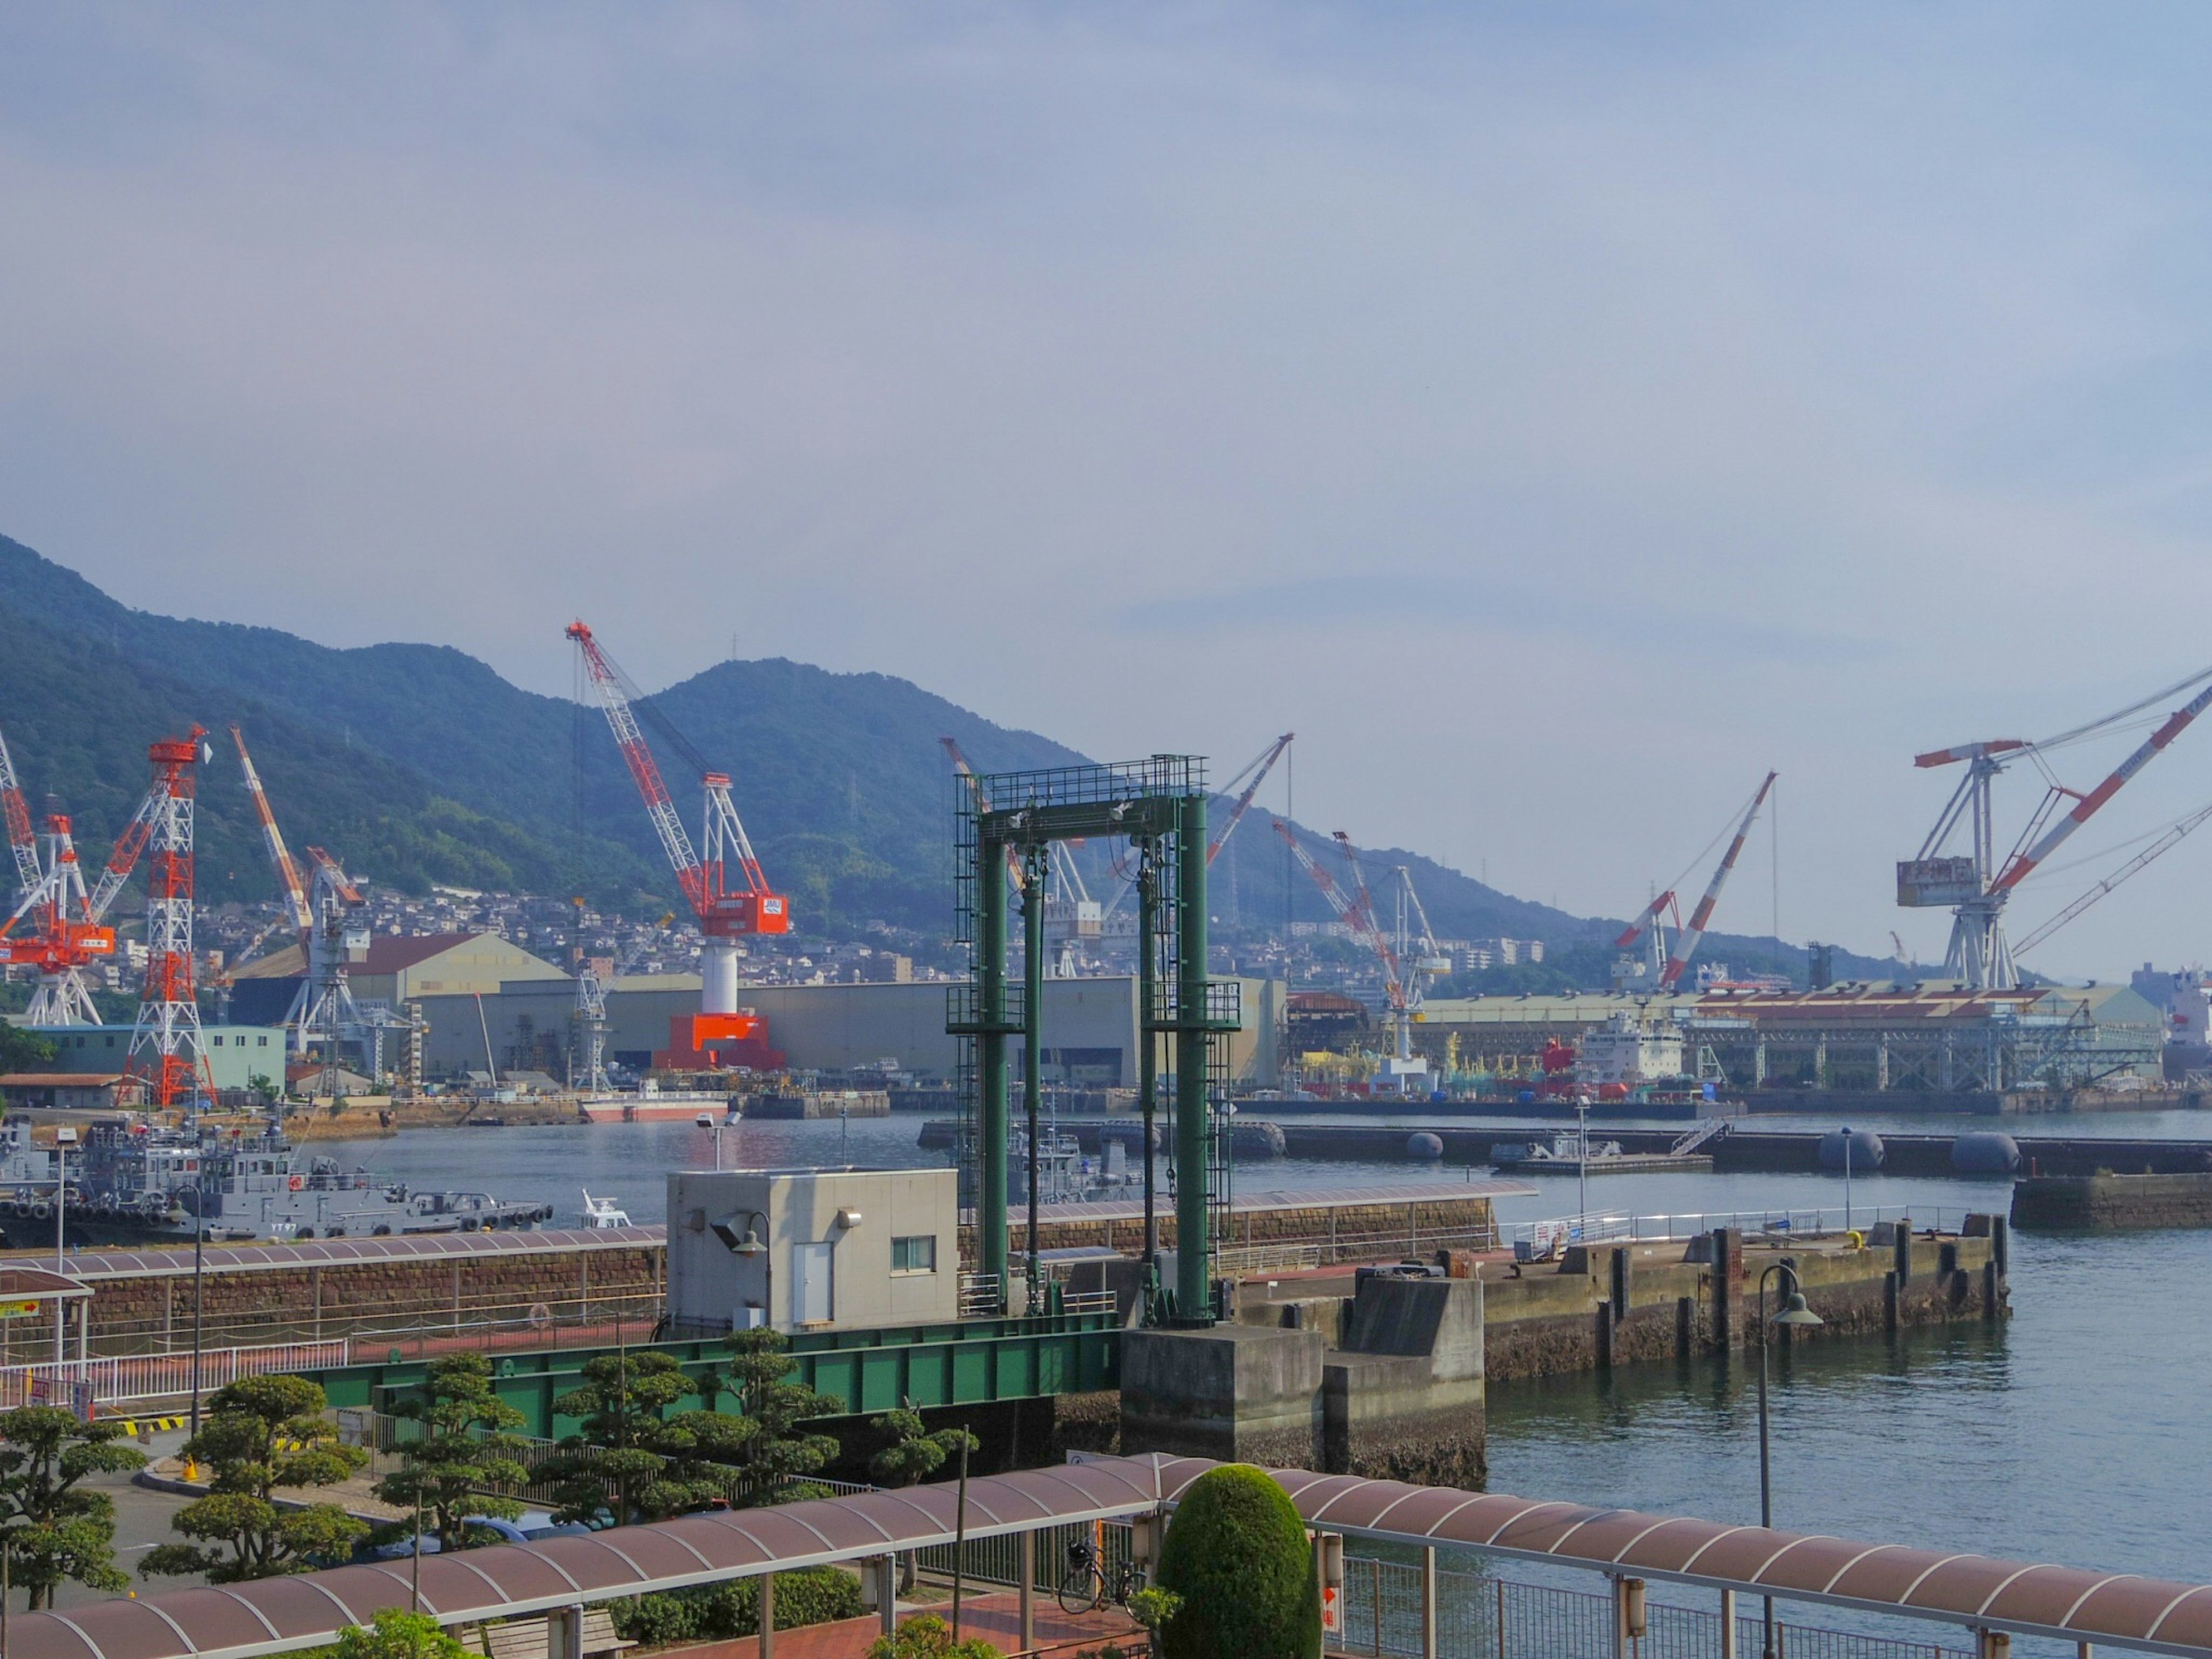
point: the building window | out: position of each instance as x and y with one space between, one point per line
261 1042
215 1042
916 1253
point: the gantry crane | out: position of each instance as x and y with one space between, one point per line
725 889
1974 886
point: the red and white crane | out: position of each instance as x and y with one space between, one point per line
1256 770
725 888
1974 886
1686 940
59 927
280 856
21 841
165 1047
1402 992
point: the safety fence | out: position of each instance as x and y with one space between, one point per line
1408 1242
128 1379
502 1320
1545 1238
1481 1616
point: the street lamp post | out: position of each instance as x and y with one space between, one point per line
753 1244
1793 1312
1847 1177
200 1264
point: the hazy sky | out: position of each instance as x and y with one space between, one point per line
1556 415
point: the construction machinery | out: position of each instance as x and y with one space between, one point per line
1974 886
1687 941
1253 775
21 841
725 888
59 927
587 1054
294 892
167 1050
1657 965
1401 990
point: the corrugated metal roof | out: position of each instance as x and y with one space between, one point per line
93 1266
275 1614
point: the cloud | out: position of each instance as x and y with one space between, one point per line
1556 417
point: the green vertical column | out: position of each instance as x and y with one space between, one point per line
990 996
1148 1054
1194 1117
1034 871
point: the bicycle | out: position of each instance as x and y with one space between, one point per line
1088 1585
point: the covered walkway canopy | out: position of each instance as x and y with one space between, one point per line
273 1615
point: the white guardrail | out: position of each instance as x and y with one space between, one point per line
1546 1238
117 1379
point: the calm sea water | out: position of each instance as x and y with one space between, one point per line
2076 1433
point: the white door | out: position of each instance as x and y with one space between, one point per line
813 1284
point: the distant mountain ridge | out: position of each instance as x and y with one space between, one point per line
418 764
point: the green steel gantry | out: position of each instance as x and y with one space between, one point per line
1007 824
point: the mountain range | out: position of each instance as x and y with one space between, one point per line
417 764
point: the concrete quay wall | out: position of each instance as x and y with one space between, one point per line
2106 1202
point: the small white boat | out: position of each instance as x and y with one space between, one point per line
600 1213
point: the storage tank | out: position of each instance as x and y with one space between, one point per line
1866 1151
1985 1151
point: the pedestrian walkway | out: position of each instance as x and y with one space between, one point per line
997 1618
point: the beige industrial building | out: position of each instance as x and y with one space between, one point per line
1090 1038
812 1250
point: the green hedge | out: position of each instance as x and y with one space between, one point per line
713 1612
1236 1554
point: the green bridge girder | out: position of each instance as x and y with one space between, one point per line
973 1361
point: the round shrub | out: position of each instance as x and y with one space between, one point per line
1236 1554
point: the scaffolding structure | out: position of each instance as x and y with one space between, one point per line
1005 826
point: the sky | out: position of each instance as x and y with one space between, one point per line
1556 416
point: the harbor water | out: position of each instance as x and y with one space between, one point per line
2073 1433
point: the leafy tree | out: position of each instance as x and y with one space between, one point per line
23 1051
915 1452
464 1445
625 1444
1237 1555
772 1450
261 1433
53 1528
930 1638
394 1634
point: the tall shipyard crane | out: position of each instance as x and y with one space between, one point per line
1401 991
1255 771
725 888
21 841
1686 940
59 927
272 838
1974 886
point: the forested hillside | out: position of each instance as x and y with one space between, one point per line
418 763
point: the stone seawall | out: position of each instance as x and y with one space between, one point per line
2111 1203
1609 1304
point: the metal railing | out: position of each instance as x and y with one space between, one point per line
1479 1616
979 1295
118 1378
1288 1257
1548 1236
997 1562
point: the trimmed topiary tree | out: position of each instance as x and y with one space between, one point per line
1236 1554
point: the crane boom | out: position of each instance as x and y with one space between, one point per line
288 873
2023 864
613 699
22 841
1648 914
983 802
1259 769
2164 844
124 857
1685 942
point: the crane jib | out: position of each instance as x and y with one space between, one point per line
2024 863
